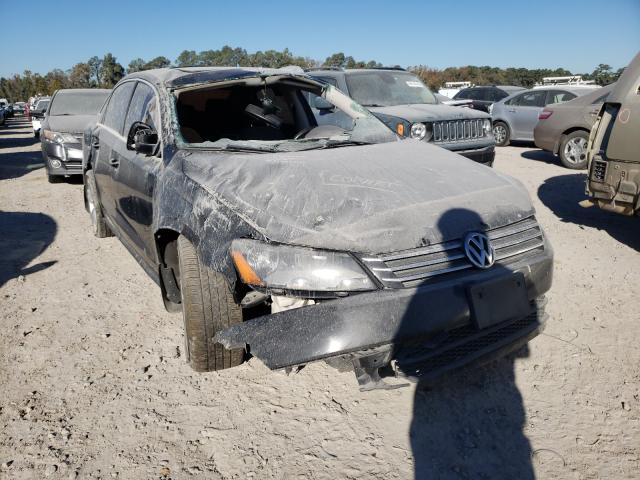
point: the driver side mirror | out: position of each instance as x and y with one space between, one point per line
142 138
322 104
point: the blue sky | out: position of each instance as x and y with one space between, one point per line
578 35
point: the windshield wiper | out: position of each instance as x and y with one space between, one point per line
372 105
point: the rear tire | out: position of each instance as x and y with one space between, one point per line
207 307
100 227
573 150
501 133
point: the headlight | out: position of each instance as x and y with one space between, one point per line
297 268
487 126
57 137
418 130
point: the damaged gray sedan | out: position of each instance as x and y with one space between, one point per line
295 242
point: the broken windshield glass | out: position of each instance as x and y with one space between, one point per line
269 114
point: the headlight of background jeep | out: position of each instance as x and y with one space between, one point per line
297 268
418 130
57 137
487 126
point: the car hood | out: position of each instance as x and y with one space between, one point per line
423 112
69 123
370 199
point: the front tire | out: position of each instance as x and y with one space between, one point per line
100 227
573 150
207 307
501 133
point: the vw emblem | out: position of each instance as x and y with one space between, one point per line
478 249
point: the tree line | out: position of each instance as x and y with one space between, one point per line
105 72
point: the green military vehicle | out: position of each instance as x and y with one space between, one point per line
614 147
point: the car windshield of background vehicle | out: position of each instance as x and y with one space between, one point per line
388 88
42 105
76 103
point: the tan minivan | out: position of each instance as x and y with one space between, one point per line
614 147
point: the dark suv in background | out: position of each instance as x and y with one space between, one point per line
409 108
483 97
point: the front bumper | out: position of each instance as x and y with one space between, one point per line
614 186
378 328
484 156
68 155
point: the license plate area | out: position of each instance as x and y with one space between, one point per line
499 300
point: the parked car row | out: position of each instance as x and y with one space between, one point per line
519 114
37 112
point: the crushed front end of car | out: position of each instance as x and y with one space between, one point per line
348 245
416 313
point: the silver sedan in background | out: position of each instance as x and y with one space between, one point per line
515 116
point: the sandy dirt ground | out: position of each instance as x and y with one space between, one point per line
94 384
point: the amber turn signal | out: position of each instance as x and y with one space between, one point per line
400 129
247 274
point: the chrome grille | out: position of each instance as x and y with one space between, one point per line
457 130
412 267
599 170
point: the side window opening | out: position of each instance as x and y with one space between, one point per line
529 99
116 110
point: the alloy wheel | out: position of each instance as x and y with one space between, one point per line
500 133
575 151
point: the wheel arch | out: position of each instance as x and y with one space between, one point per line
166 240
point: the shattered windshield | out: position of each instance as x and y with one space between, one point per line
385 88
280 113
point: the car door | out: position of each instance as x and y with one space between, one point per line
107 145
523 112
137 173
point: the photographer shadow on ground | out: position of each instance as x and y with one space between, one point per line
25 236
469 423
563 194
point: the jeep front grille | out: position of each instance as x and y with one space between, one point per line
599 170
409 268
457 130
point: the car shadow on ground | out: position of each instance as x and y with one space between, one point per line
25 235
562 195
467 424
541 156
17 164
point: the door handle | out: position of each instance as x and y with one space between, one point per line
114 162
512 110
